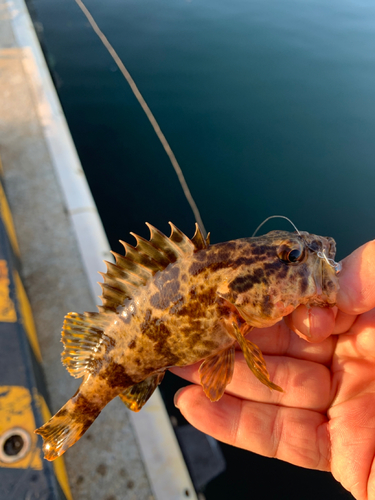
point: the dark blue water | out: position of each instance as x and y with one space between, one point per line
269 106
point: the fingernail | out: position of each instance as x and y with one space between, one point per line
309 323
176 396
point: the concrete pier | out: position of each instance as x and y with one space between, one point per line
62 245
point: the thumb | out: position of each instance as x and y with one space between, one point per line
357 280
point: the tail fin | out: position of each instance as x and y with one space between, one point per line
66 427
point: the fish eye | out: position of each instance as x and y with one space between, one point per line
294 255
291 254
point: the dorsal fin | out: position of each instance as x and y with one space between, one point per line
179 238
198 239
140 263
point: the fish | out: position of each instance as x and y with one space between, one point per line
175 301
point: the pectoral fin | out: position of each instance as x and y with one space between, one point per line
85 341
216 373
136 396
254 359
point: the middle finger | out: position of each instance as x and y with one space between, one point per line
305 384
282 341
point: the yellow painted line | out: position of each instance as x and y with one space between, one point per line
11 53
7 309
16 411
27 316
1 168
8 221
58 464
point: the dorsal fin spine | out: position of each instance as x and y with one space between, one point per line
163 243
178 237
151 251
139 257
132 267
113 293
198 239
115 283
116 271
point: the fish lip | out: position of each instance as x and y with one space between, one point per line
318 280
325 273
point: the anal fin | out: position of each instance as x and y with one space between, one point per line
216 372
254 359
136 396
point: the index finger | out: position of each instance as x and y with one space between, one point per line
357 280
296 435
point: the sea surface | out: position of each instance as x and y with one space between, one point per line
269 107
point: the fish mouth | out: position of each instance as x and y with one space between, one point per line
325 276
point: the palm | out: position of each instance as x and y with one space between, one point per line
352 411
324 419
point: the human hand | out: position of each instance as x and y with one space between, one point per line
325 418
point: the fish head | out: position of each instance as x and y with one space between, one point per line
282 271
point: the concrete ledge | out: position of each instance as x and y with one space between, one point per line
62 245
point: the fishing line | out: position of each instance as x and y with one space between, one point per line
148 112
274 217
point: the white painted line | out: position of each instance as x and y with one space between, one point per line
169 478
176 484
77 195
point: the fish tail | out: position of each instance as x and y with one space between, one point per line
67 426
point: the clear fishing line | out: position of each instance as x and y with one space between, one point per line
321 254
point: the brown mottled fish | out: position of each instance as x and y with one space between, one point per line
175 301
